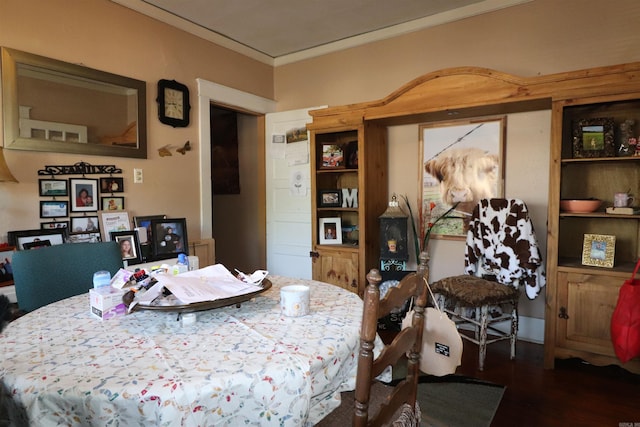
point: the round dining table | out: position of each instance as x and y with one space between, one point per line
234 366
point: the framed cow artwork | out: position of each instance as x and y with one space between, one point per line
461 163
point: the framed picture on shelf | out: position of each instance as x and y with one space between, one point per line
37 244
594 138
85 238
169 237
6 272
476 147
330 198
54 208
111 185
84 194
84 224
53 187
55 236
114 221
112 203
330 231
129 245
352 155
54 224
598 250
332 156
145 222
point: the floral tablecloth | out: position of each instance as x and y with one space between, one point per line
248 366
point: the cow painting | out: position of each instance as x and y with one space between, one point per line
465 176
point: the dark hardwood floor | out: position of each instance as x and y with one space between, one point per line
573 394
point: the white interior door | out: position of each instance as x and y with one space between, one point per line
288 193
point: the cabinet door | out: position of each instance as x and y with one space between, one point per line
338 267
586 303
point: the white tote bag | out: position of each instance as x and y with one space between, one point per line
441 342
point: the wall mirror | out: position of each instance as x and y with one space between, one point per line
55 106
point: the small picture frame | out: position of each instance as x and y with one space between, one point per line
169 237
352 155
84 224
6 272
598 250
56 236
330 231
114 221
36 245
84 194
594 138
145 222
129 245
330 198
54 224
332 156
111 185
112 203
54 208
53 187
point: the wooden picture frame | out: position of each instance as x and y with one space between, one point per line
111 185
113 221
84 224
330 198
169 237
129 245
57 236
477 143
332 156
6 271
598 250
54 208
112 203
330 231
594 138
53 187
84 194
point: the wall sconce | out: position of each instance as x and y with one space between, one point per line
5 173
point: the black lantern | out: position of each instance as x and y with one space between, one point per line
394 248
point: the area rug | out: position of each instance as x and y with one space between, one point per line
449 401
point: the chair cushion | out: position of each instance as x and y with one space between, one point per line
474 291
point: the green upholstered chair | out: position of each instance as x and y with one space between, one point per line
53 273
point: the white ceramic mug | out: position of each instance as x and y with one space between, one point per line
622 200
294 300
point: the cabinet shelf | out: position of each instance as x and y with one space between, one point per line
574 265
601 159
597 215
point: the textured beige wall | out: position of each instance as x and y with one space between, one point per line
106 36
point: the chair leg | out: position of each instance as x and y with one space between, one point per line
482 341
514 329
478 317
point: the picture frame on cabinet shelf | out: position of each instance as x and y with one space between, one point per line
330 199
332 156
450 153
330 231
598 250
352 155
594 138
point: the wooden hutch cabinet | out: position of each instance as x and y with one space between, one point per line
579 299
349 191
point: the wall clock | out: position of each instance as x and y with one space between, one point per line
173 103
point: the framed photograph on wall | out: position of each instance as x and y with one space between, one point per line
111 185
84 194
54 224
84 224
330 198
129 245
114 221
6 271
169 237
112 203
53 187
594 138
56 236
330 231
451 153
598 250
54 208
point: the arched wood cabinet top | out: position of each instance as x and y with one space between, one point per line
476 91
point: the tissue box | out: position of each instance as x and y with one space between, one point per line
106 302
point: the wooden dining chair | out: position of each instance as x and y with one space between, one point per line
53 273
401 402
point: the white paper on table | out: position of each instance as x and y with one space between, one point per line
206 284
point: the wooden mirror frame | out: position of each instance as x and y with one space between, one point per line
12 60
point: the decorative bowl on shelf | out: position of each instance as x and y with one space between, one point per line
580 205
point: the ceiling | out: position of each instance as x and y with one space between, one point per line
283 31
